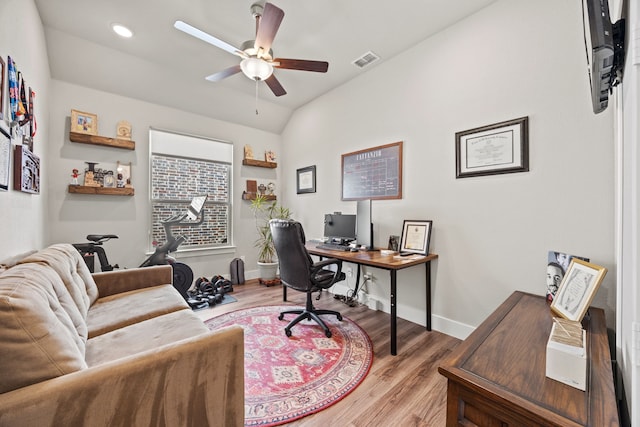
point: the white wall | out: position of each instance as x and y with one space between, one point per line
73 216
22 215
512 59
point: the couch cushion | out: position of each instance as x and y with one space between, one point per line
147 335
68 263
119 310
38 338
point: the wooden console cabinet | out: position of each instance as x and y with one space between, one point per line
496 377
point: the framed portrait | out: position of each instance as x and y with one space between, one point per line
2 73
577 289
394 241
415 237
494 149
306 180
82 122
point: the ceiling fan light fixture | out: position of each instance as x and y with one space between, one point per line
256 69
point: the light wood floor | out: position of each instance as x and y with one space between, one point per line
402 390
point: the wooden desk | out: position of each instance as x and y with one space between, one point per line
375 259
497 376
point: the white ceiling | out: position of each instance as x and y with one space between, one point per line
164 66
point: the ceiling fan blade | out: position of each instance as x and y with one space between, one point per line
269 24
302 65
216 77
275 85
208 38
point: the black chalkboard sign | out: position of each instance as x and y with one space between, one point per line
374 173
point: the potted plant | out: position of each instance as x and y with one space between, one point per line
263 211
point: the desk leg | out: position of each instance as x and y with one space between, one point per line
394 344
428 281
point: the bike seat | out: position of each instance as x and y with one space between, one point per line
100 237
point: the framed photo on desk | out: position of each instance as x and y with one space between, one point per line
415 236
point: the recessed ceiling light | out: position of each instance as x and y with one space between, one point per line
121 30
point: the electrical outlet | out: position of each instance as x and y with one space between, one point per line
349 272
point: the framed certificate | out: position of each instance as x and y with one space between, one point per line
577 289
415 237
306 180
494 149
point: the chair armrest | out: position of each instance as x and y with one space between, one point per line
320 265
118 281
197 381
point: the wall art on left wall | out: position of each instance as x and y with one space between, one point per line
26 170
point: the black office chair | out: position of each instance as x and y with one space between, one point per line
298 271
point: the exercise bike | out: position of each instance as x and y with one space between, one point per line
182 273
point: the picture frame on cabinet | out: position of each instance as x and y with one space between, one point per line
83 122
577 289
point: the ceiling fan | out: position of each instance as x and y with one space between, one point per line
257 56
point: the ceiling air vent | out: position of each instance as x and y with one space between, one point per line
366 59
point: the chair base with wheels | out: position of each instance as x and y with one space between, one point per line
309 313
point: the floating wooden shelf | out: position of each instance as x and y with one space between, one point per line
83 189
83 138
259 163
252 196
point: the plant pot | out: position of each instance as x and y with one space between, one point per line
267 270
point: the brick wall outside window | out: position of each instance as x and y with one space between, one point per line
174 181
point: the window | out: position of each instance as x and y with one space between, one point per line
184 166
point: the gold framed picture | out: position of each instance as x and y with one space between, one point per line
577 289
82 122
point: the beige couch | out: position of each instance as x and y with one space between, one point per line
120 348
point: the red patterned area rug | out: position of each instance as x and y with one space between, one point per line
290 378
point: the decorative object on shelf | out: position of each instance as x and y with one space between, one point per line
261 189
82 122
374 173
415 237
577 289
5 159
494 149
26 170
74 177
248 152
269 156
89 175
2 66
252 186
271 187
557 265
123 175
109 181
123 130
306 180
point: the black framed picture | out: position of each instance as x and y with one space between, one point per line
306 180
415 237
494 149
5 159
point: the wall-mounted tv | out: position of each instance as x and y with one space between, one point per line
604 43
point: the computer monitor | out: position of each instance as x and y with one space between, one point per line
338 227
364 226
